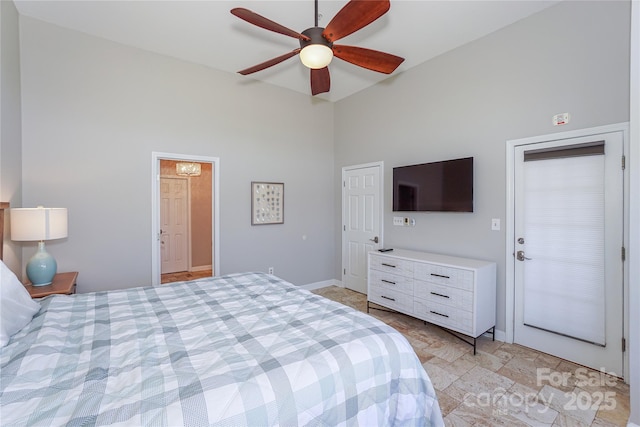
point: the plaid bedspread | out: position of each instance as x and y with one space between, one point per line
243 349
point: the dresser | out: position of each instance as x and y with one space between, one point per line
457 294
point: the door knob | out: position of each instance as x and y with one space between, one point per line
520 256
375 239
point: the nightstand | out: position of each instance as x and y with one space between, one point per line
63 283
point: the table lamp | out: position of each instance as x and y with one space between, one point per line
39 224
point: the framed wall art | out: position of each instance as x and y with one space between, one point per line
267 203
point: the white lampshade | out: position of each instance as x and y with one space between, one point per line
188 169
316 56
38 224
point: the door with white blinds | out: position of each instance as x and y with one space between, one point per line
569 221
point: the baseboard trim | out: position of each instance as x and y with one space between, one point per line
201 268
501 335
323 284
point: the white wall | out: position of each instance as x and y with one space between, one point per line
573 57
634 249
10 129
94 111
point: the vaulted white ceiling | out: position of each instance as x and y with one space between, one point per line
205 32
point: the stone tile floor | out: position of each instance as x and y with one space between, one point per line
503 384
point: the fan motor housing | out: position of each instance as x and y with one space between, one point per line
315 37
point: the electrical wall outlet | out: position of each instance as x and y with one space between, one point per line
270 270
398 220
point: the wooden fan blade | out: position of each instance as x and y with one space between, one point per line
353 16
269 63
320 80
267 24
371 59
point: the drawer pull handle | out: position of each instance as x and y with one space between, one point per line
440 275
388 265
388 281
391 299
439 314
439 295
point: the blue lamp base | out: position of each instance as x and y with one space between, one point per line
42 267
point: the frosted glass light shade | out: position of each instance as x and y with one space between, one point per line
38 224
316 56
188 169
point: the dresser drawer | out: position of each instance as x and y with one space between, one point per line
385 280
441 275
392 265
446 295
443 315
391 298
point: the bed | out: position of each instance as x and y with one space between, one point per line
241 349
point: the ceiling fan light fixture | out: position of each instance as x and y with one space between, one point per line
316 52
316 56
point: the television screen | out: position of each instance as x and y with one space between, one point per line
445 186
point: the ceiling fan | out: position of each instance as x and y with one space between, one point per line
316 43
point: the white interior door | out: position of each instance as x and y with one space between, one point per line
568 264
361 221
174 223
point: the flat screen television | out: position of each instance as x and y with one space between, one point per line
445 186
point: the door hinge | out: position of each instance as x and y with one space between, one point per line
344 228
624 344
344 183
344 271
624 254
624 163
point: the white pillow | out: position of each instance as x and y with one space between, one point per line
16 306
